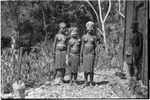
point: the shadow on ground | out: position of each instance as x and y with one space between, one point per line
94 83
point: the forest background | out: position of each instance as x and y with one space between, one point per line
37 22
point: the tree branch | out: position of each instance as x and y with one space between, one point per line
94 11
119 6
100 11
107 11
100 31
120 13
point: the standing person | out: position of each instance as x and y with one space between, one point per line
89 52
136 42
73 62
59 51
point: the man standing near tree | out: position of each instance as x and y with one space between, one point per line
136 42
60 50
89 52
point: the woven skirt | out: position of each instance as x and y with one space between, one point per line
60 60
88 62
74 63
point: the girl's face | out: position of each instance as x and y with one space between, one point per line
74 35
63 29
90 28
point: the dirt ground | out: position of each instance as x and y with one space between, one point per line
106 85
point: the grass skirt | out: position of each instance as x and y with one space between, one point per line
75 63
88 62
60 60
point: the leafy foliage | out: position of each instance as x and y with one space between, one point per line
27 18
35 67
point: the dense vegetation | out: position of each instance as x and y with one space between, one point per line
36 24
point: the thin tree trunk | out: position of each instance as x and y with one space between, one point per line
44 25
124 35
39 72
103 22
97 17
121 21
104 36
95 13
20 61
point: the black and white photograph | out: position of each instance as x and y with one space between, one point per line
59 49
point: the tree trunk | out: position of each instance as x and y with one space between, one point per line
45 39
44 22
142 19
121 21
104 36
20 61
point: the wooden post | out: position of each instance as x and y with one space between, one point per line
19 85
12 58
124 34
144 66
20 60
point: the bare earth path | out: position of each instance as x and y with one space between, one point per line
107 85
